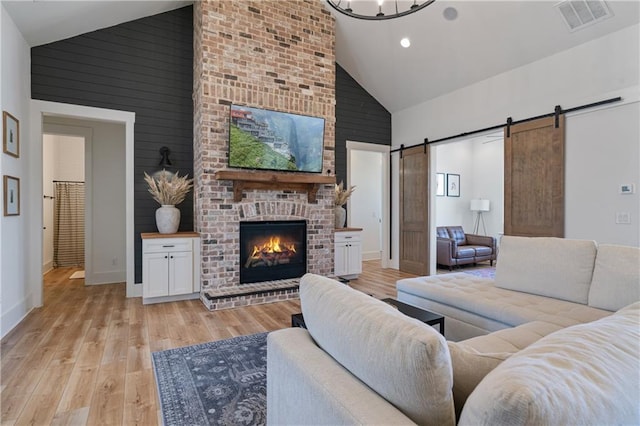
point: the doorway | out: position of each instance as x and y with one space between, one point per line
40 112
368 170
479 162
63 173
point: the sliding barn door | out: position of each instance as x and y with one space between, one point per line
534 178
414 211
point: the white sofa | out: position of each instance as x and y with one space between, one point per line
360 361
559 282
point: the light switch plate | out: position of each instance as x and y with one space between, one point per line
623 217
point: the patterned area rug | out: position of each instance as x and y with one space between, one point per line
216 383
483 273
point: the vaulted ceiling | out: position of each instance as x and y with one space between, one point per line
485 39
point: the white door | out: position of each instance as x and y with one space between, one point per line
365 206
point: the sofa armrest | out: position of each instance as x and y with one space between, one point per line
306 386
446 250
448 245
481 240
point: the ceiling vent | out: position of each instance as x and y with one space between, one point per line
578 14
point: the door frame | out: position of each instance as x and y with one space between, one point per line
38 110
386 223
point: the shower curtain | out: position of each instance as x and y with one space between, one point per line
68 224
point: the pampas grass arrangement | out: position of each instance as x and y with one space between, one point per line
168 189
342 195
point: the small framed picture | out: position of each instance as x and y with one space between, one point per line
440 184
453 185
11 196
11 134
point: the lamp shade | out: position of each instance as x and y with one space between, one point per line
480 205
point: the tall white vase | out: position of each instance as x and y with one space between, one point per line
340 217
167 219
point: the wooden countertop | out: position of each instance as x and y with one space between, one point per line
347 229
149 235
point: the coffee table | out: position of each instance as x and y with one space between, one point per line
427 317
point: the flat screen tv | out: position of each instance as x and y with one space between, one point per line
271 140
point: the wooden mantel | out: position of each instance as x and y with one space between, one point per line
244 179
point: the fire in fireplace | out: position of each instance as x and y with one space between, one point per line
272 250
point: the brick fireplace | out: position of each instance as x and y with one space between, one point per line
267 55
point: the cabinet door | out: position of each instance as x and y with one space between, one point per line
355 257
155 274
341 259
180 272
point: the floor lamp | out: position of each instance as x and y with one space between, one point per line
480 206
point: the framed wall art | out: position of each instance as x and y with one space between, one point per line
10 135
440 184
453 185
11 190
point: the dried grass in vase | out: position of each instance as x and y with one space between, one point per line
342 195
168 189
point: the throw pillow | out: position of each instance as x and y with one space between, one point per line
402 359
616 277
552 267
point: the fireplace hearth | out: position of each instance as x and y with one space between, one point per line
272 250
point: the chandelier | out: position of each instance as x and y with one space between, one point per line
378 9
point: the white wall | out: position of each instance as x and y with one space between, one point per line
591 72
104 177
62 159
15 292
455 158
604 153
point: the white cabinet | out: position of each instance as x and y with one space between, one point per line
170 267
348 253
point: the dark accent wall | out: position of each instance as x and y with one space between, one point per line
143 66
359 118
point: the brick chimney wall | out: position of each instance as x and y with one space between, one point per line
267 54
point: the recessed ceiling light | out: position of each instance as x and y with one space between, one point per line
450 13
405 42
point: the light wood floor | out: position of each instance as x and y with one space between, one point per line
85 356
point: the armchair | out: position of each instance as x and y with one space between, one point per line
454 247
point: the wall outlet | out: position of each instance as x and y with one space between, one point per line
623 217
114 261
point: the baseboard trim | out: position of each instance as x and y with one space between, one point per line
15 315
371 255
100 278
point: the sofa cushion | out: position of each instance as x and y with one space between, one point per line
511 340
616 277
474 358
442 232
469 368
470 296
404 360
465 252
585 374
483 250
553 267
457 233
